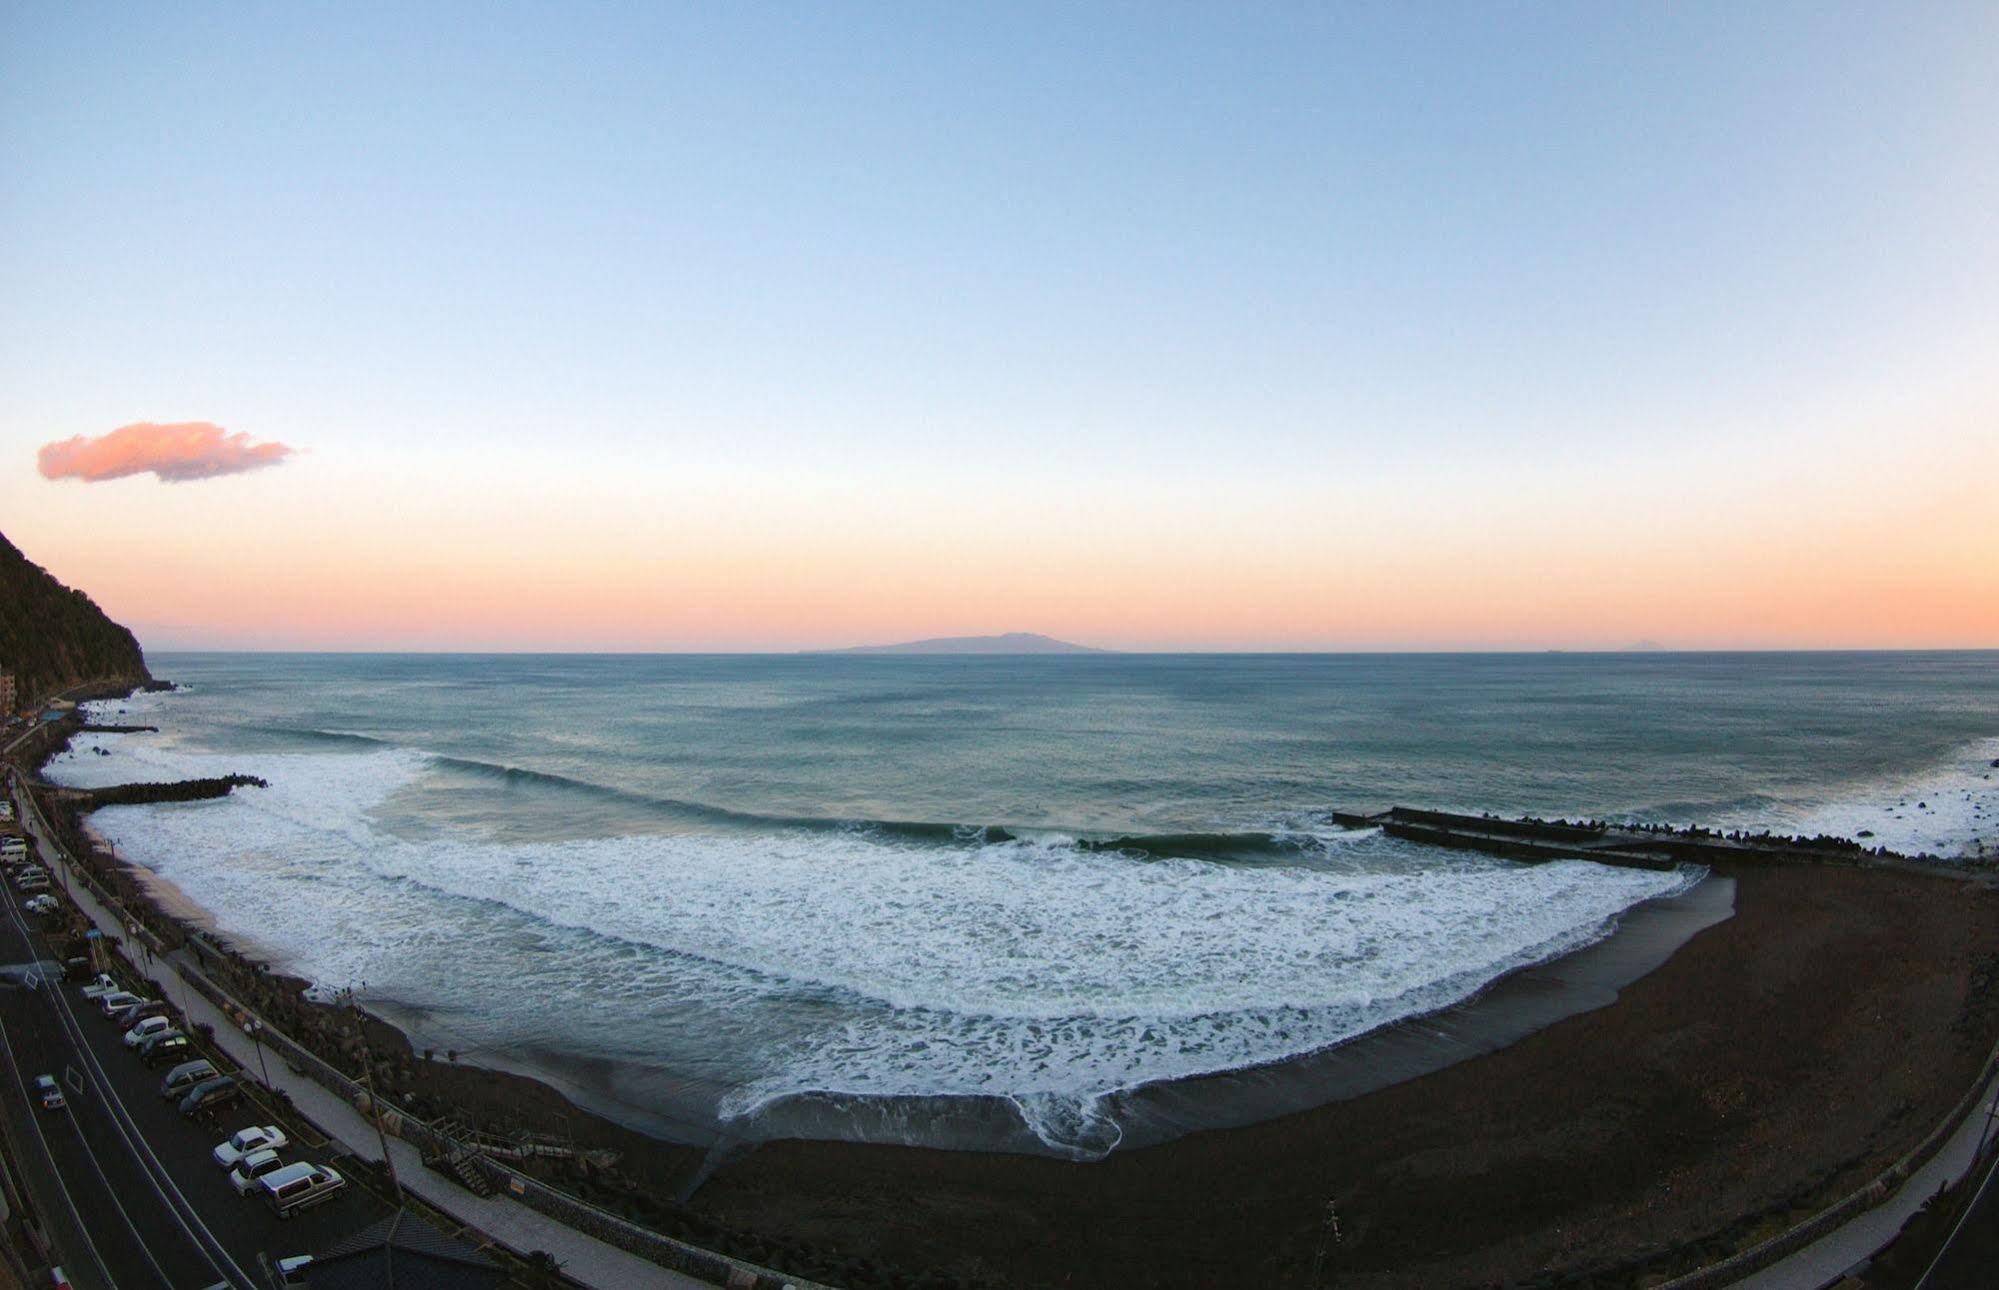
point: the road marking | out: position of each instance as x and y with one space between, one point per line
55 1170
190 1221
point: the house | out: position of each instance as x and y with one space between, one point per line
401 1251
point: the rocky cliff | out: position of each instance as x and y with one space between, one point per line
54 637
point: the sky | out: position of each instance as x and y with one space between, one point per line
778 326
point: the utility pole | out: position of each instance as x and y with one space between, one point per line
374 1102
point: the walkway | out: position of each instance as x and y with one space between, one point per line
584 1258
1827 1258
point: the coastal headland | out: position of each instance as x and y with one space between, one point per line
1777 1059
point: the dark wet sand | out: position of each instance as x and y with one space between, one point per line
1776 1061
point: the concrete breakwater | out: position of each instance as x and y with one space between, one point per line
181 790
1627 846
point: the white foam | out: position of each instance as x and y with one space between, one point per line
793 962
1951 809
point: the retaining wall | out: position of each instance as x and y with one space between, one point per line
571 1211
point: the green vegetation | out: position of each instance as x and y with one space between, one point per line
53 638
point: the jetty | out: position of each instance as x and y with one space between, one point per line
1625 845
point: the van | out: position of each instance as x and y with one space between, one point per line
185 1076
210 1093
295 1187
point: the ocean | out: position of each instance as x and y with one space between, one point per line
976 901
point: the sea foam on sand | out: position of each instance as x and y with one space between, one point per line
783 963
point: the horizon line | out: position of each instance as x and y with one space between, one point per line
1093 652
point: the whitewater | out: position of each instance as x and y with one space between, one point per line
727 954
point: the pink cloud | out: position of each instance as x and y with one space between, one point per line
182 451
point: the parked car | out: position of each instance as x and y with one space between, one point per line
254 1165
209 1094
43 904
116 1009
170 1047
100 986
295 1270
258 1137
185 1076
150 1008
49 1093
297 1186
145 1028
148 1044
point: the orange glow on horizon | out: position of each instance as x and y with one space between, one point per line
1886 546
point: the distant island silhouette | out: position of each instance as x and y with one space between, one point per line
1005 643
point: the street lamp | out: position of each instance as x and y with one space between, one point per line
256 1029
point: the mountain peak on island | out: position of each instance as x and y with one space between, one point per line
1005 643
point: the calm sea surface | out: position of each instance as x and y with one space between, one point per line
714 888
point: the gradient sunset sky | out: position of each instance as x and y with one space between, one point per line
772 326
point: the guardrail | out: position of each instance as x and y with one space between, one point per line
1828 1220
571 1211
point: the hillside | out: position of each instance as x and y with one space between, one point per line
53 637
1006 643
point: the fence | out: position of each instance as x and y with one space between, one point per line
1826 1221
571 1211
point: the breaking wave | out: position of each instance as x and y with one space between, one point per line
779 959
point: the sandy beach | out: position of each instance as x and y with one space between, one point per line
1775 1061
1727 1063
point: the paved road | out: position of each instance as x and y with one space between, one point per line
131 1193
1970 1259
584 1258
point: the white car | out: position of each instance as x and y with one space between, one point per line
102 986
44 904
145 1029
258 1137
117 1005
253 1166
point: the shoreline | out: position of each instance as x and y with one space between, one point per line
1780 1059
1502 1011
1204 1209
651 1099
1509 1007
